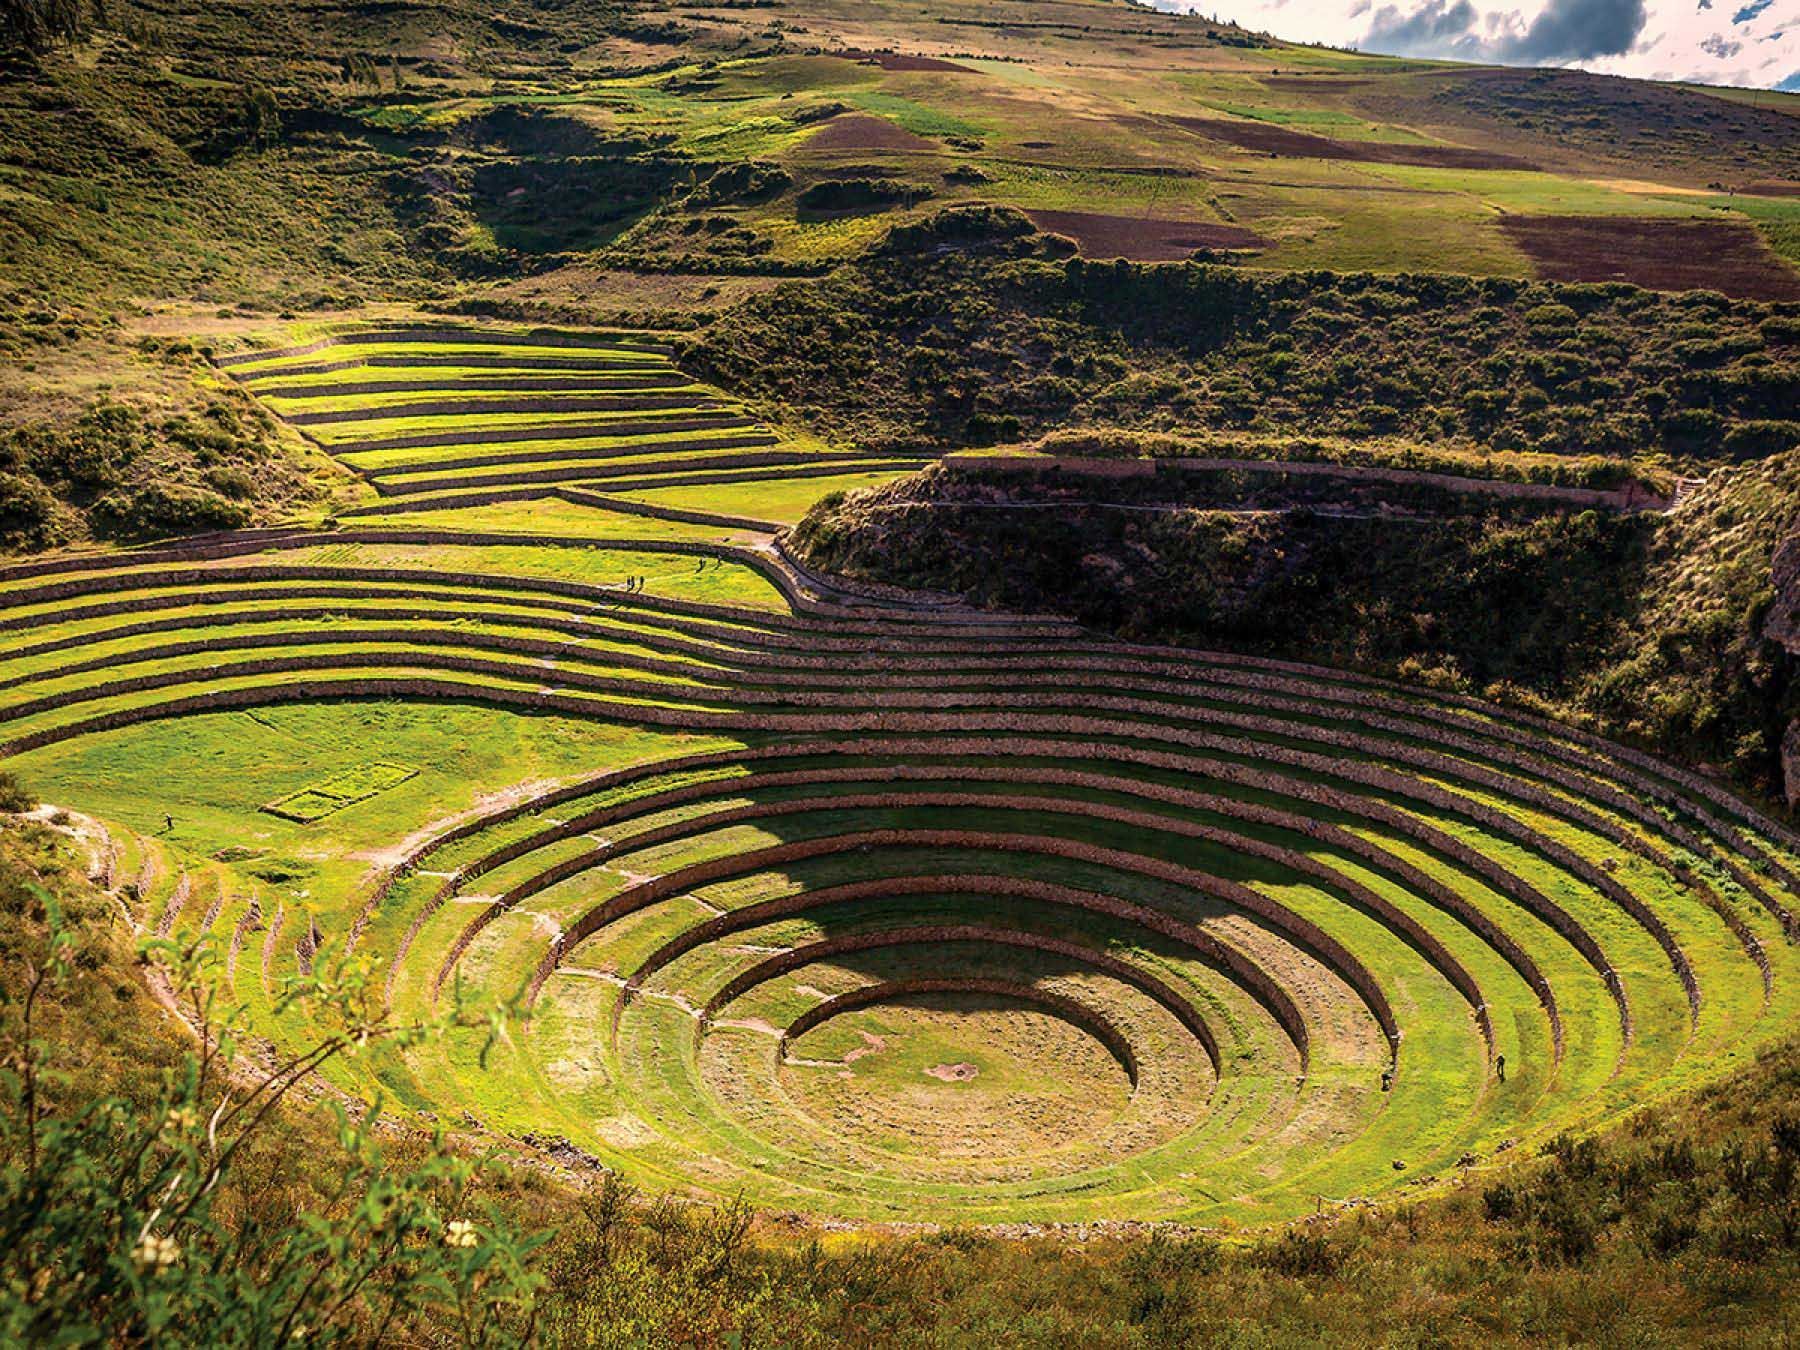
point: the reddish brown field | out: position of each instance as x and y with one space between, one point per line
1142 238
1663 255
1772 187
901 60
863 131
1291 144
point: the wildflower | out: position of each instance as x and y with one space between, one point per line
460 1233
153 1253
180 1120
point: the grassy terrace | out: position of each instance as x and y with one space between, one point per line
877 909
446 414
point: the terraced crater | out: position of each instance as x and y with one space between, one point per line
877 907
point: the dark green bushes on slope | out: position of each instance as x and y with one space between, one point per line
965 326
116 472
837 195
1469 597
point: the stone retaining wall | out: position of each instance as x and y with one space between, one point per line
566 431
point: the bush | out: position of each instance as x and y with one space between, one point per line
14 795
1760 438
159 509
860 194
118 471
1551 316
749 182
29 514
1299 1253
122 1220
35 25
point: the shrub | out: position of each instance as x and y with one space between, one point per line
159 509
1551 316
1757 439
29 514
750 181
860 194
1499 1202
1299 1253
14 795
35 25
114 1228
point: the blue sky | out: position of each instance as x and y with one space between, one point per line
1745 42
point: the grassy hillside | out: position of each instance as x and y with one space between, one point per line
186 169
963 332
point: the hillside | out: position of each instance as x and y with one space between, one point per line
892 673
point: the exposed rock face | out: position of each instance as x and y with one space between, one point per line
1783 626
1790 762
1783 623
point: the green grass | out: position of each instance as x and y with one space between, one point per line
783 502
312 804
1044 1131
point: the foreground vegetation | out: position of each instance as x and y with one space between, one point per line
1684 1223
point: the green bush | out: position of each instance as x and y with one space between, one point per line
160 509
860 194
117 471
29 514
14 795
115 1227
969 310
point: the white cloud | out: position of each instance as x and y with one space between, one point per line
1755 43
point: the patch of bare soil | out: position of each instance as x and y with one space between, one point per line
872 1044
901 61
852 132
1663 255
1286 143
1142 238
953 1073
1772 187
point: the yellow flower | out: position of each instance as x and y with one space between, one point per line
181 1119
153 1253
460 1233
